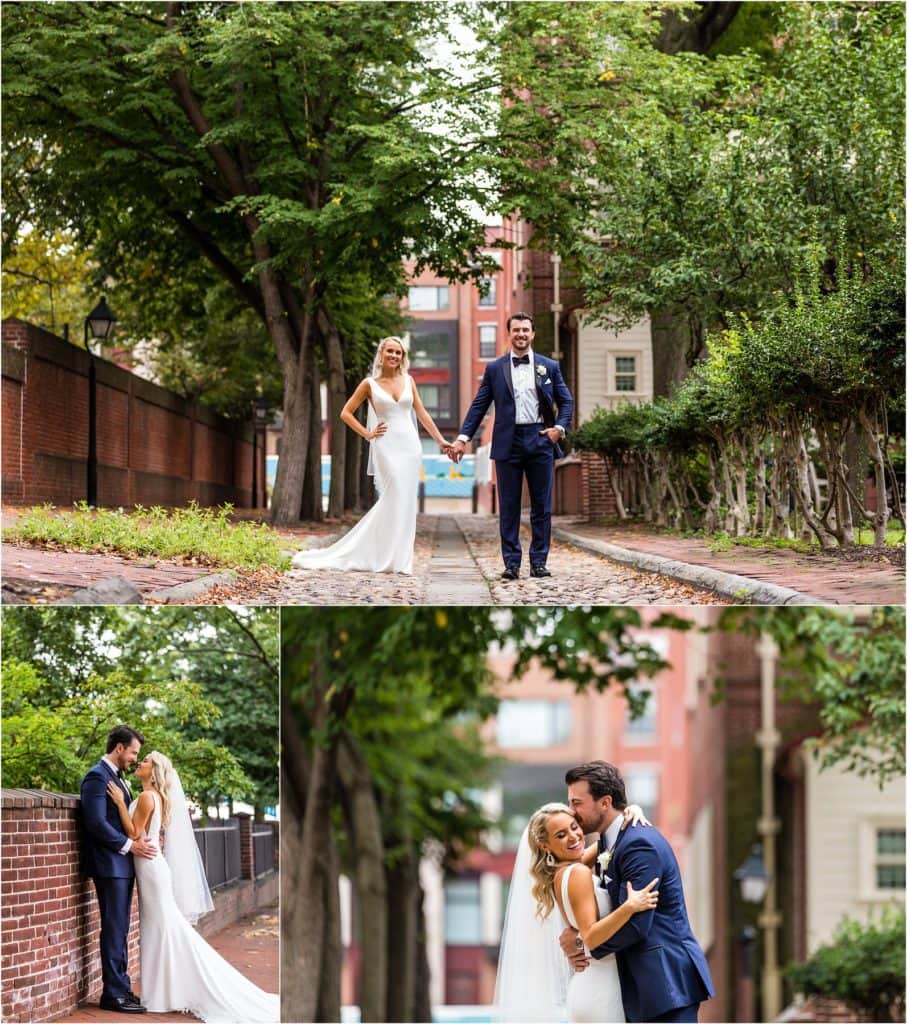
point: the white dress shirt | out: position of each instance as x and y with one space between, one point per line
612 832
127 846
525 396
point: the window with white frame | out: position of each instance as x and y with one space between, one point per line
462 912
429 298
890 859
643 728
625 373
642 784
488 340
883 874
533 723
488 295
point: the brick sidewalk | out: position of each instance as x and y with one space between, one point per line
830 579
251 945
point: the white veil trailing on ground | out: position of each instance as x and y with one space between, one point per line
190 885
533 973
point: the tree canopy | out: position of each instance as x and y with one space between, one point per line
201 685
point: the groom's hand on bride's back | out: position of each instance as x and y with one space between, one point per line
143 848
576 954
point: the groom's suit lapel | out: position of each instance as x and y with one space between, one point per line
507 369
107 770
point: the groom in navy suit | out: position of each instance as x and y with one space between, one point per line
663 972
107 855
532 410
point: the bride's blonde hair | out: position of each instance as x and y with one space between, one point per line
541 872
161 778
379 355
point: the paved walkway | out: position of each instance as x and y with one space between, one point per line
251 945
458 561
831 579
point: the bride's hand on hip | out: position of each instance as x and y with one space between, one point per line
645 899
633 816
115 793
379 430
572 945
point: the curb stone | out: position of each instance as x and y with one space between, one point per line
739 589
190 590
113 590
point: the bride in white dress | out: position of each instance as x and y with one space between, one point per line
180 971
383 540
534 980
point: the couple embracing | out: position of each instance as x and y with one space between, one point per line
598 933
533 408
149 839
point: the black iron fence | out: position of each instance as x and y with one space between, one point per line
220 849
263 848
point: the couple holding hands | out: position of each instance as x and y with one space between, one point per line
533 408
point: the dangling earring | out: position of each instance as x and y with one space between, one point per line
549 859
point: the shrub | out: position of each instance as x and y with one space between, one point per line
863 966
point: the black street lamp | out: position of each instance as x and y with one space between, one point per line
752 876
259 423
98 324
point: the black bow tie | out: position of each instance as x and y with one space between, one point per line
520 359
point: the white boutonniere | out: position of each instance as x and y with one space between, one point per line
541 370
604 859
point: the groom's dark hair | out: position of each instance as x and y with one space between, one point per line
520 316
122 734
604 780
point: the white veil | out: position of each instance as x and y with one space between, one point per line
533 973
190 886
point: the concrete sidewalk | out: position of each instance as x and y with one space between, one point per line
250 945
849 578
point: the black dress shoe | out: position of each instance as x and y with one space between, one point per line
511 572
120 1004
539 570
131 997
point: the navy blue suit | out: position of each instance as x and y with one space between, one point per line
521 450
664 975
103 837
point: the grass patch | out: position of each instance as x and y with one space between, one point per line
203 535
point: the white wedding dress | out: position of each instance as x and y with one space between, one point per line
593 995
180 971
384 538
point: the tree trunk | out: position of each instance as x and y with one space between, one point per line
312 504
670 353
742 507
422 999
802 491
308 876
695 30
874 437
332 957
760 522
351 490
340 433
403 953
367 854
615 478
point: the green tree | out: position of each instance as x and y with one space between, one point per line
201 684
683 187
850 665
292 145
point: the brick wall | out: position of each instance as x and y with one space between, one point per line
51 930
598 498
49 956
153 447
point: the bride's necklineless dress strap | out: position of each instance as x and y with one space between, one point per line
565 897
